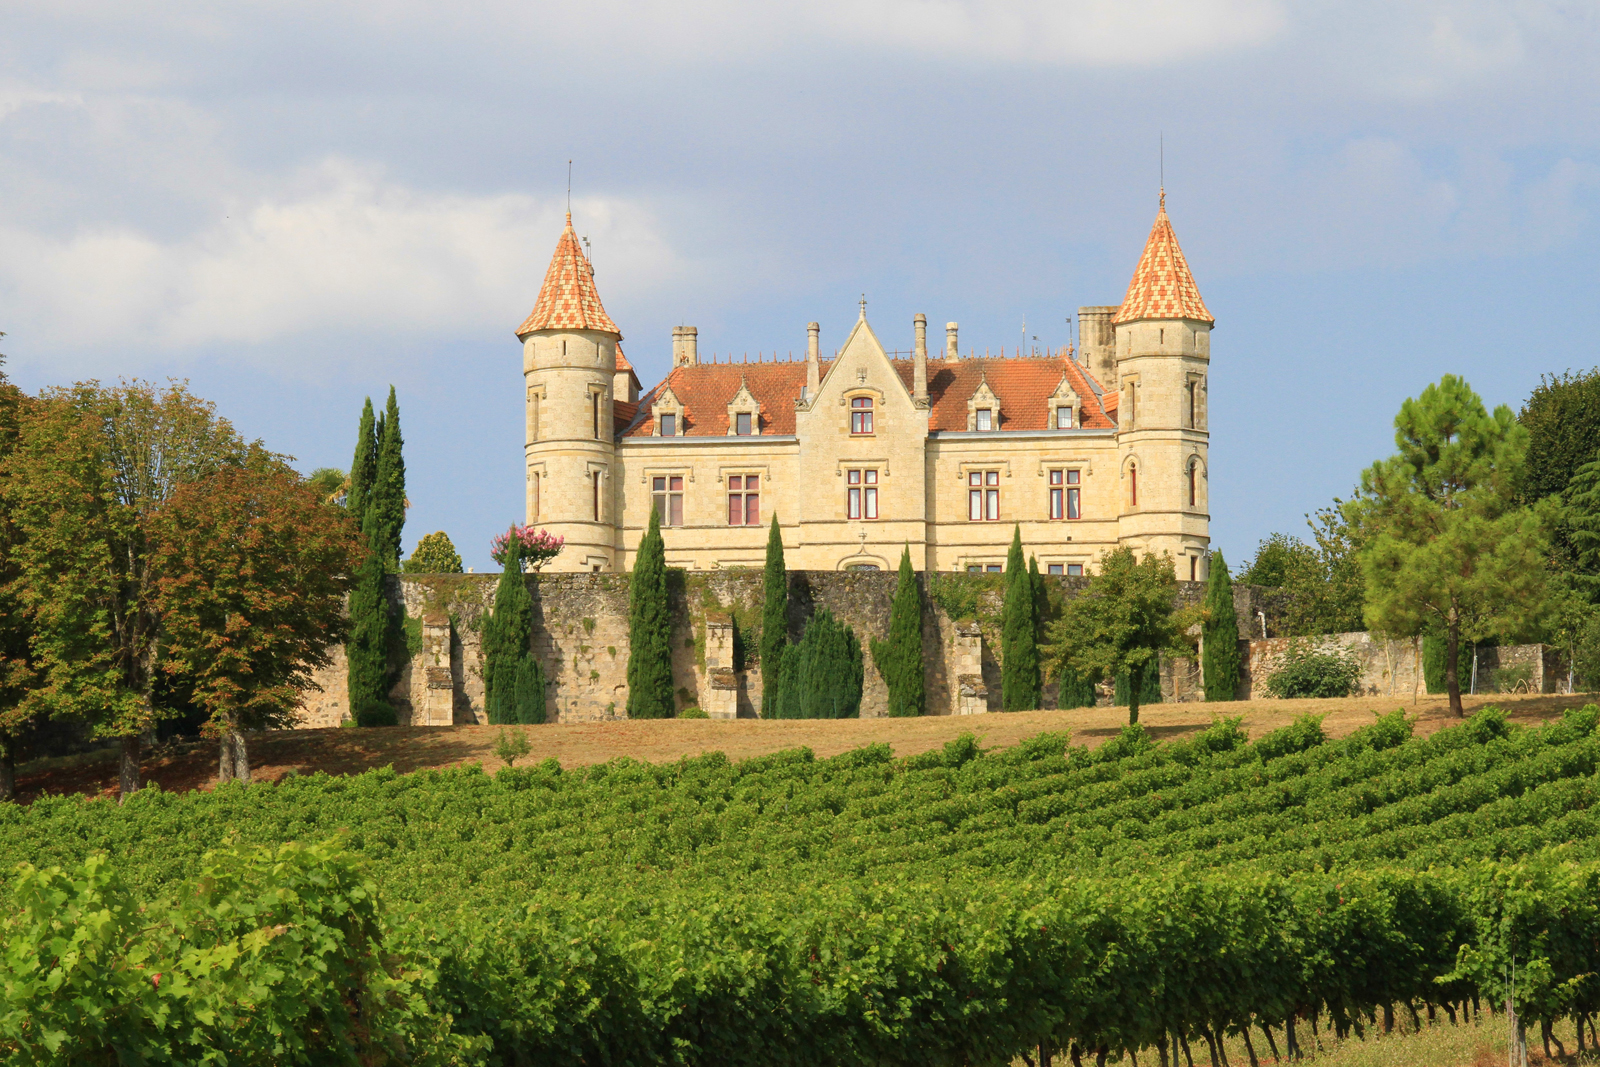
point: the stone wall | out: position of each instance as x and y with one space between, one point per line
1393 668
581 637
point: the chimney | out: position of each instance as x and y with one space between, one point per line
951 351
1097 343
685 346
813 367
919 374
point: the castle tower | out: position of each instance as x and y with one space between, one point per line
570 369
1163 358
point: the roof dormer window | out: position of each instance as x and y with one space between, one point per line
985 421
742 424
669 425
1063 417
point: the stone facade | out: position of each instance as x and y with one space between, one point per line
873 451
1394 668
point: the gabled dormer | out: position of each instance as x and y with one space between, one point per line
1063 408
668 414
744 413
983 410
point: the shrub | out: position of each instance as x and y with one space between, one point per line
510 747
1307 672
693 713
538 547
374 713
434 554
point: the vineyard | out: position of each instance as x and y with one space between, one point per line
955 907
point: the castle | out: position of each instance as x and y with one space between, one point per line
863 453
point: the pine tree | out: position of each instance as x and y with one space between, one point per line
530 691
388 495
1019 650
506 635
774 623
364 467
367 651
649 630
1220 634
899 659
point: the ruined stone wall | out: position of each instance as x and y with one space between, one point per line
1392 668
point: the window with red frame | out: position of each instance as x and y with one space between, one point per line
861 493
667 498
1064 490
744 500
861 414
983 496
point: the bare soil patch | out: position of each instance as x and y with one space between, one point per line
192 765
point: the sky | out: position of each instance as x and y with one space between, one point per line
295 205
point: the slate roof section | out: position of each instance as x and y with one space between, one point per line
1162 286
1022 386
568 299
624 365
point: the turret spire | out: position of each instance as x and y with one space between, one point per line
568 299
1162 287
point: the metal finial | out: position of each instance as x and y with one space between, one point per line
863 306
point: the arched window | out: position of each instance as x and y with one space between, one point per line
1193 468
861 414
1133 485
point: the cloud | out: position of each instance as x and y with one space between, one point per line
345 251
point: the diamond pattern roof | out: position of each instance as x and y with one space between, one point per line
568 300
1162 287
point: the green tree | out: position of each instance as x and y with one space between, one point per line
18 711
329 483
367 650
826 673
434 554
507 635
1562 418
388 495
1077 690
91 468
363 466
1281 560
774 622
1446 540
530 691
253 574
899 658
1019 654
1121 624
1220 634
649 630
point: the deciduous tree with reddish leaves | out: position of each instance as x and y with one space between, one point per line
254 570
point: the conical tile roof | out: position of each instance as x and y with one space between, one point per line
568 299
1162 287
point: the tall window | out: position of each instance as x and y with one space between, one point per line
1194 565
594 399
1064 490
1192 468
861 414
862 493
669 425
596 496
667 496
744 500
1192 423
533 496
1133 485
985 419
1063 417
741 424
983 496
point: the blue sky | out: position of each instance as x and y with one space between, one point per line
293 205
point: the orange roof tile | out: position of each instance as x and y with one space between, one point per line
568 299
1162 287
1022 385
624 365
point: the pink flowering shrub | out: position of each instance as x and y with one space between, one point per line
538 546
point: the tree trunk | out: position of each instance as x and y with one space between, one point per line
1388 1019
1222 1050
1291 1046
1271 1043
225 756
128 767
241 755
1249 1048
1161 1047
1135 683
1077 1057
1183 1039
1452 653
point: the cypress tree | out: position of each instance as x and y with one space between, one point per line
506 635
774 623
827 671
899 659
530 691
1149 680
367 650
1019 649
1077 691
1041 612
388 494
649 630
1220 634
363 467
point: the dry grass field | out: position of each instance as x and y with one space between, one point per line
191 765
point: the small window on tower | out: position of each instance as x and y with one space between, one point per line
669 425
